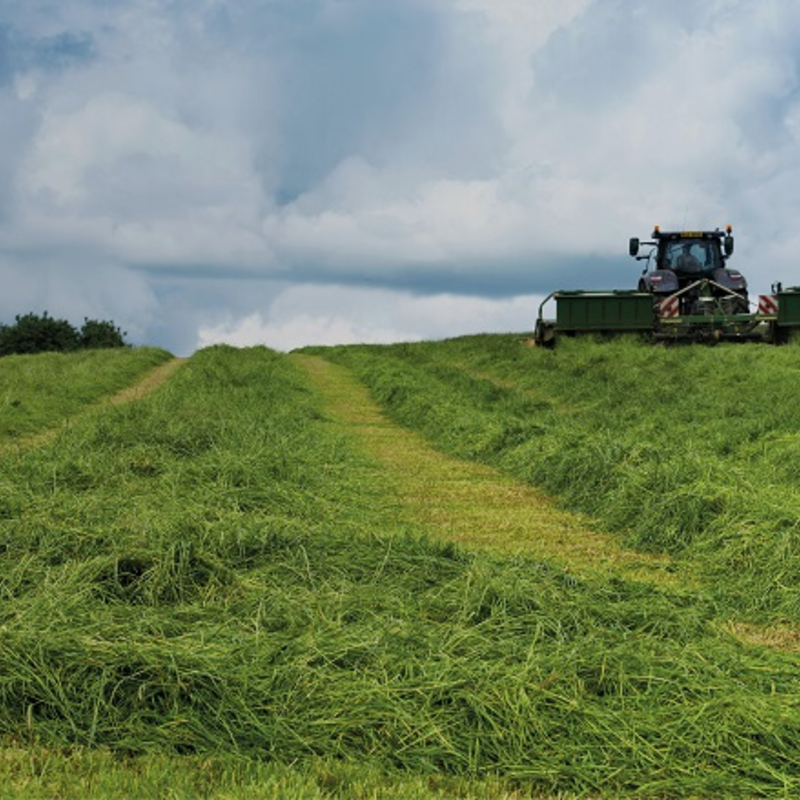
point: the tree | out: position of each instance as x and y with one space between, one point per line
32 333
35 334
101 333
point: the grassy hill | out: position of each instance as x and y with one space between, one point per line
688 451
41 391
218 591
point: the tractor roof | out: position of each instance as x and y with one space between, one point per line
658 234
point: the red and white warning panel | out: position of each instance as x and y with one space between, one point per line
669 307
768 304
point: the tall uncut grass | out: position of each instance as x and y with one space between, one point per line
686 450
213 574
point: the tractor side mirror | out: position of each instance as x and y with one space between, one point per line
633 246
728 245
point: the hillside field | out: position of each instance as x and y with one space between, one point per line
314 575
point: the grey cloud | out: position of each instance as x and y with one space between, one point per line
17 124
7 59
309 83
65 49
356 82
21 51
602 56
210 150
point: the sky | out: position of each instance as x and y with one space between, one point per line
297 172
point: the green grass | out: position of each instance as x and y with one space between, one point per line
687 451
38 392
35 773
213 584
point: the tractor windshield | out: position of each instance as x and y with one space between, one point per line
691 256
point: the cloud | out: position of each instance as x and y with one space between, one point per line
22 51
328 315
484 149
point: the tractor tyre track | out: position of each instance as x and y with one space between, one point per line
137 391
148 384
468 503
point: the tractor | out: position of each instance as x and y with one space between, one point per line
686 293
686 272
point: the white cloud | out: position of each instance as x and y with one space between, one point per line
141 184
328 315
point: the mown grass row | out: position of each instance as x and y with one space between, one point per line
212 583
690 451
37 392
